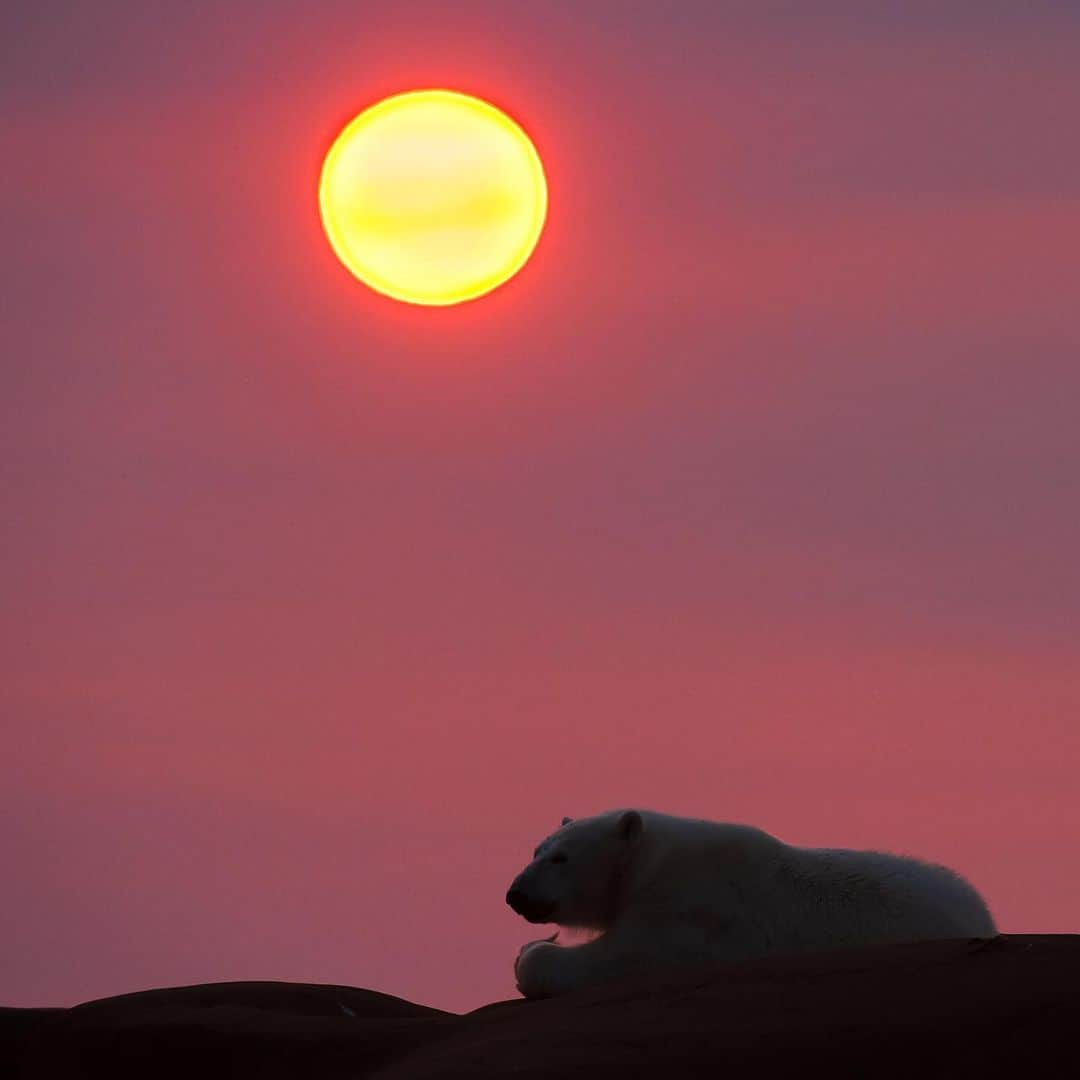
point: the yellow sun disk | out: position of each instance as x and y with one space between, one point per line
433 197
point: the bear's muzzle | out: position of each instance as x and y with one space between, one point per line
530 910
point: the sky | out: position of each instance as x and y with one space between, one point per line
755 496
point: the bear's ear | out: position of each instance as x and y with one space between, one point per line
566 821
630 826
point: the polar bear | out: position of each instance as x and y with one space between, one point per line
667 892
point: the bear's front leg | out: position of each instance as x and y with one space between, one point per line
544 969
531 945
538 969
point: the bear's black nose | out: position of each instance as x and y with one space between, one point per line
515 898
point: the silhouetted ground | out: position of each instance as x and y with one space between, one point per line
956 1008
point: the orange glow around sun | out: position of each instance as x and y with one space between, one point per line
433 197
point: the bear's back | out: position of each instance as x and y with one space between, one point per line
804 898
854 896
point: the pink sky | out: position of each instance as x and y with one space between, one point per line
756 496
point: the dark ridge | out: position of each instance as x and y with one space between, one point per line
1008 1005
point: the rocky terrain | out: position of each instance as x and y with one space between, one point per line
955 1008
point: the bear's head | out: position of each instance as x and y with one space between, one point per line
576 876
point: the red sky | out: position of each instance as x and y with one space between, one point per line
756 496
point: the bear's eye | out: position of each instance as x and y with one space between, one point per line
560 858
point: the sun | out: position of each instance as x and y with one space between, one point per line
433 197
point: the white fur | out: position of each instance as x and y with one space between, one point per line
669 892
